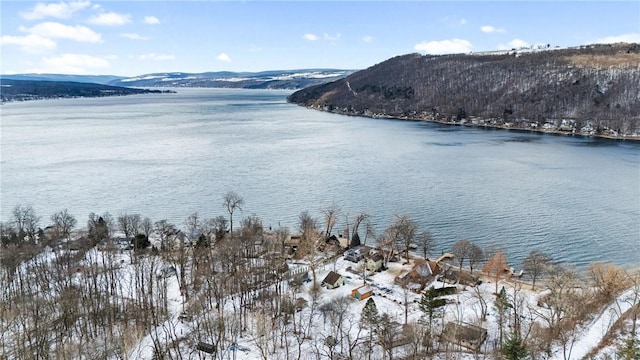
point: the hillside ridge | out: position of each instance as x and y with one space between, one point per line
590 90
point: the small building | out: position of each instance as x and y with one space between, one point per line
374 262
357 253
362 292
333 280
465 335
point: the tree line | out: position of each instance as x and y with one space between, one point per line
86 296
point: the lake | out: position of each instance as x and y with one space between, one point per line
166 156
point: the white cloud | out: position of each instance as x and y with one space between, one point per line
627 38
332 38
110 18
514 44
452 46
311 37
223 57
134 36
151 20
491 29
61 31
61 10
156 57
71 64
367 38
32 44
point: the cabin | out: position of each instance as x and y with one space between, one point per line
333 280
465 335
362 292
357 253
374 262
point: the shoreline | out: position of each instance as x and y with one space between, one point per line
469 123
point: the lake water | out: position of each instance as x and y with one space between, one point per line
166 156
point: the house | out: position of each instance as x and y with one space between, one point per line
362 292
357 253
423 271
374 262
333 280
465 335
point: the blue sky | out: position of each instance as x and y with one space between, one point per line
130 38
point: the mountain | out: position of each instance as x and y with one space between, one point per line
275 79
96 79
20 90
589 89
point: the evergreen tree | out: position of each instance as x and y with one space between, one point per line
514 348
370 318
355 240
429 303
370 315
502 305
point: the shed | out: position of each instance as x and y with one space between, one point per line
333 280
362 292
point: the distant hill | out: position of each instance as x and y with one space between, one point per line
590 89
275 79
21 90
96 79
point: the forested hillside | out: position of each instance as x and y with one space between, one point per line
20 90
594 89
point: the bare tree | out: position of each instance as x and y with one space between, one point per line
608 279
362 217
330 216
426 242
194 224
26 222
231 202
165 231
63 223
461 250
535 265
475 256
146 227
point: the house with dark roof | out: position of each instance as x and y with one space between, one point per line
374 262
333 280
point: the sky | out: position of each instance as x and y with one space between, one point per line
129 38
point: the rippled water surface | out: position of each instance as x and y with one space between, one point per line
166 156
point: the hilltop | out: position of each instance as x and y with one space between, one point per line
272 79
589 89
